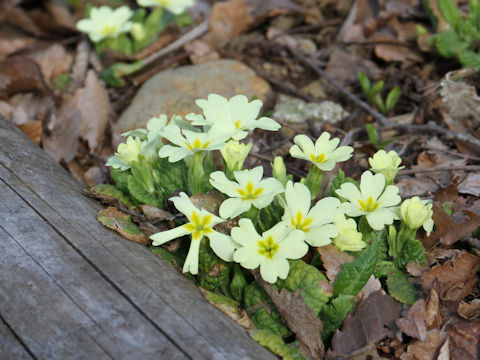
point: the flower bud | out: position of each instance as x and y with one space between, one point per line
415 213
138 32
348 238
279 171
234 153
386 164
128 152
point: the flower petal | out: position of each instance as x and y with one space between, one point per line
372 185
272 269
233 207
184 205
191 262
220 182
350 192
305 144
325 210
321 235
174 153
165 236
390 197
222 245
298 198
245 233
296 152
293 247
379 218
248 257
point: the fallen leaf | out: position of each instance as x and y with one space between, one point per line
14 15
470 310
122 223
94 107
434 317
414 324
464 338
200 52
20 74
455 278
155 214
53 61
229 307
470 185
13 40
64 126
229 19
372 320
372 285
33 129
344 67
299 318
28 106
425 350
333 259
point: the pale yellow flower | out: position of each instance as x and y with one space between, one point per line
174 6
105 22
348 238
416 213
387 164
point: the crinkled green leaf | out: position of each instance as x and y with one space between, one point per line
270 216
383 268
310 281
470 59
400 288
273 342
238 284
449 44
122 223
353 276
412 251
112 191
212 271
170 177
142 173
450 12
120 178
334 313
140 195
261 310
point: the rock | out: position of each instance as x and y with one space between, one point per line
174 91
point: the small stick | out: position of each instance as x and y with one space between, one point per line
440 168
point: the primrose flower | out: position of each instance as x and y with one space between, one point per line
200 224
174 6
105 22
249 190
386 164
269 251
237 111
316 222
126 154
189 142
373 199
415 213
324 154
348 238
234 153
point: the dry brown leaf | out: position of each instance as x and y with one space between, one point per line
155 214
470 185
18 74
464 339
200 52
425 350
61 14
13 40
33 129
372 285
470 310
455 279
344 66
414 324
17 16
229 19
299 318
434 316
372 320
26 107
63 130
94 106
333 259
53 61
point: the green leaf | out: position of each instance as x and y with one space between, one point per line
113 76
61 81
238 284
353 276
261 310
449 45
270 216
334 313
380 104
412 251
337 183
372 133
375 90
170 177
272 342
392 98
112 191
122 223
212 271
140 195
431 15
309 280
176 259
450 12
364 82
470 59
143 175
139 15
400 288
120 178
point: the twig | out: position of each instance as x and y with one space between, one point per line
380 42
451 152
191 35
431 127
440 168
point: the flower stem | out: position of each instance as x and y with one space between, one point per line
314 180
196 174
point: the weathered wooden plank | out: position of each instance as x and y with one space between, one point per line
52 297
167 298
10 346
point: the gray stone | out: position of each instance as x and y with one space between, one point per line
174 91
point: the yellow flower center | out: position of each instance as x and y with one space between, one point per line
369 205
109 30
318 158
268 247
301 224
197 144
237 124
250 193
199 226
164 2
